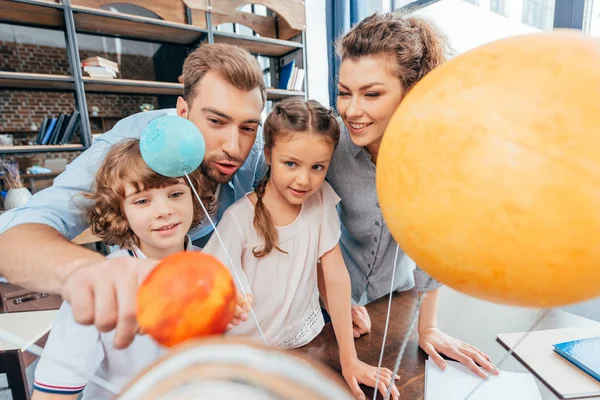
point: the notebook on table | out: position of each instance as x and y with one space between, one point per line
537 353
583 353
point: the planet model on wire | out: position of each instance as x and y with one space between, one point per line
187 295
172 146
489 171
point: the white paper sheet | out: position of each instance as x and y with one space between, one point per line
457 381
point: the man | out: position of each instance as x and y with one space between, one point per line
224 94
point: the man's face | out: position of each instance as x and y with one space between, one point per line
228 119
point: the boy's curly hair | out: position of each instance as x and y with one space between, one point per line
124 165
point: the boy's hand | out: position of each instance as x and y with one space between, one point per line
103 293
242 308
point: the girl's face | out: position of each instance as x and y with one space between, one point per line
160 218
299 164
368 94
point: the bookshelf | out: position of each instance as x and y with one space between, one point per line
181 22
41 148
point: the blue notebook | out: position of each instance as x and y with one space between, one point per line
583 353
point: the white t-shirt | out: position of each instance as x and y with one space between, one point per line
92 351
286 296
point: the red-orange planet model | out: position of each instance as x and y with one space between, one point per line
187 295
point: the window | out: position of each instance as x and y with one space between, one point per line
500 7
538 13
476 2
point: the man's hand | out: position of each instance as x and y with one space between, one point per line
361 323
242 308
103 293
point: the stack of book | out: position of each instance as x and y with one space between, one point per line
291 77
59 130
98 67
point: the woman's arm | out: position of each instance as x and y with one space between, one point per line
428 310
337 284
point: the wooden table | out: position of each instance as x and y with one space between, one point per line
474 321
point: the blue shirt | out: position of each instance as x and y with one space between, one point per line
61 206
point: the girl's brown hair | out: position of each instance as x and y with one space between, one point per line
417 45
124 165
290 116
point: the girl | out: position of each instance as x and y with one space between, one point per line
277 234
382 58
148 216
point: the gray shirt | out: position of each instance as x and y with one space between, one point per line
366 243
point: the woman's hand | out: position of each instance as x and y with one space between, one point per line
356 372
433 342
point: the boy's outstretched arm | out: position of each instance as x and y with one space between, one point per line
52 396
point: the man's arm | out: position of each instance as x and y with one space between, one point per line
38 257
37 252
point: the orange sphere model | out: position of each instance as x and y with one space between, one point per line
489 171
187 295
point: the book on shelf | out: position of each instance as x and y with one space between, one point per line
98 67
58 130
291 77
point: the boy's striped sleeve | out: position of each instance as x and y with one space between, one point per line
78 347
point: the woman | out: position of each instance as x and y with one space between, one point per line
382 58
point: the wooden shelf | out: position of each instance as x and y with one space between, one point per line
258 45
158 88
276 94
98 21
36 176
131 86
41 148
42 13
19 133
24 80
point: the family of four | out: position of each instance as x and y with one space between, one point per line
295 201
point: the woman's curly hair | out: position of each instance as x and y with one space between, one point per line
124 165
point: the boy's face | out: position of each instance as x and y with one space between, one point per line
160 217
228 119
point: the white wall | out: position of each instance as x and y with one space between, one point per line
316 51
468 25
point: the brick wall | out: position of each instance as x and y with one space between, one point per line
23 57
18 108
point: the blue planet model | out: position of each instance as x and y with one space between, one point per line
172 146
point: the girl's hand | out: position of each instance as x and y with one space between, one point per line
356 371
361 323
241 310
433 341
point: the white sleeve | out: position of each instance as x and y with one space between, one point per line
330 230
233 240
74 344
